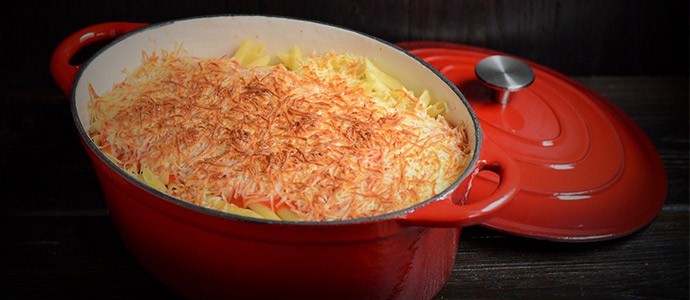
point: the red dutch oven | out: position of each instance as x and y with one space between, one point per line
203 253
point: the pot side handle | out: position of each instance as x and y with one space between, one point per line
62 70
446 213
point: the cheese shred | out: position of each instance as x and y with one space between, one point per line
330 138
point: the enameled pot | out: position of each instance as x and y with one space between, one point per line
205 254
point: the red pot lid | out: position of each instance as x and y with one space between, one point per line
588 172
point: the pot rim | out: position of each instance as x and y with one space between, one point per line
216 213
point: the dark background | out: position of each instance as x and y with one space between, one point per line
575 37
58 240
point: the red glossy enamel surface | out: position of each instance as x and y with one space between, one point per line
63 72
206 255
447 213
588 172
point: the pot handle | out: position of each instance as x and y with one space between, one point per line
64 72
446 213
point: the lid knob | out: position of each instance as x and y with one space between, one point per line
504 75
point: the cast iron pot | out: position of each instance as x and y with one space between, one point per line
203 253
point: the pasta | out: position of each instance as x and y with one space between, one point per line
311 138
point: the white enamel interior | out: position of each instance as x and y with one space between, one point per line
221 35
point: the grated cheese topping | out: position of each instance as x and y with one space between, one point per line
318 143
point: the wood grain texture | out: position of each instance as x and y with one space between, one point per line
614 37
651 263
80 256
59 243
660 107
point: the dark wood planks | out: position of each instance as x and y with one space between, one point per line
615 37
650 263
81 256
58 241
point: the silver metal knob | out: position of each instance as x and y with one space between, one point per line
504 75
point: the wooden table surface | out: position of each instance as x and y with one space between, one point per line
59 243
